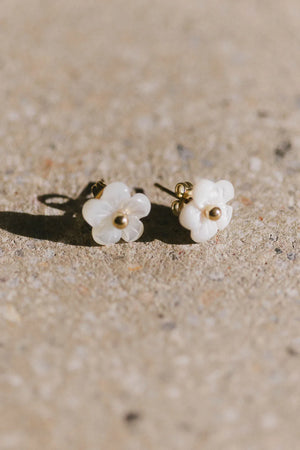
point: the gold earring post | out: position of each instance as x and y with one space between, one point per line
164 189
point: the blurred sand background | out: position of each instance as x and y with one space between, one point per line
160 344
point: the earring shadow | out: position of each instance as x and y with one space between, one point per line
161 224
69 228
66 229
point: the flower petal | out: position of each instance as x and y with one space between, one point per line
224 191
206 191
106 233
116 194
95 210
205 231
201 191
139 205
134 229
190 216
225 218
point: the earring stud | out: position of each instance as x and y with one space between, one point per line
202 208
114 214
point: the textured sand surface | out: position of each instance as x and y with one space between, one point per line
160 344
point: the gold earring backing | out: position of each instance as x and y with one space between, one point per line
183 193
97 188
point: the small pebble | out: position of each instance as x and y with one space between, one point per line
131 416
282 149
291 351
255 164
10 314
216 276
168 326
184 153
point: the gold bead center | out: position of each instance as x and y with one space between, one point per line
213 213
120 220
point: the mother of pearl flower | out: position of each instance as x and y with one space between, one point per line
208 211
116 215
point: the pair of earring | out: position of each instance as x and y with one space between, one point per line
114 214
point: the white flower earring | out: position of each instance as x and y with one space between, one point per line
202 208
114 214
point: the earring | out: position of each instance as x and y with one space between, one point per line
114 214
202 207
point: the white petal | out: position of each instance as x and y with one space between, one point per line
190 216
223 191
206 192
139 205
134 229
225 218
116 194
106 233
95 210
201 191
205 231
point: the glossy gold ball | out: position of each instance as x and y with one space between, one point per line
120 221
214 213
